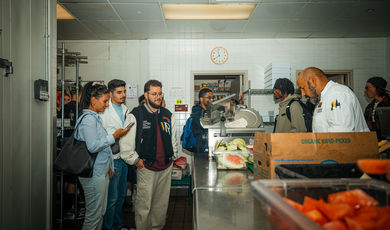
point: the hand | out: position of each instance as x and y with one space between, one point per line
120 133
111 174
140 164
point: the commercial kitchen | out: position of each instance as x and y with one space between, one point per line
236 49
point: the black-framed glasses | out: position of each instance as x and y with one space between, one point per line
156 94
210 97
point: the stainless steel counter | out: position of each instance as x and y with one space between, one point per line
222 198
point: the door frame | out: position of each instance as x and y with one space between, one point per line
243 79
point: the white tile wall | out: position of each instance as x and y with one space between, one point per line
171 61
126 60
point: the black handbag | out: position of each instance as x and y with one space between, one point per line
115 147
74 158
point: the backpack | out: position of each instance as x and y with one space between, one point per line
307 114
188 138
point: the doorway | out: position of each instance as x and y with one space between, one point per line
222 83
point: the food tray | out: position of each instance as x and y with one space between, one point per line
281 215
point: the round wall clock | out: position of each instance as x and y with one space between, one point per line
219 55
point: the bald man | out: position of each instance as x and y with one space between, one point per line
337 110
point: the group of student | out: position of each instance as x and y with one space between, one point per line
144 137
329 106
335 106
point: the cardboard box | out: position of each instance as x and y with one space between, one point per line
271 149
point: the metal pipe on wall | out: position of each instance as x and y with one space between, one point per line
62 127
62 90
77 88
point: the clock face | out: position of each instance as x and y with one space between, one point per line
219 55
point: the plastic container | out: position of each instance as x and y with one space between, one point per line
281 215
305 171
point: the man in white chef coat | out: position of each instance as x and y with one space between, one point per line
338 109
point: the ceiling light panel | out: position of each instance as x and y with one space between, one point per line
63 14
207 11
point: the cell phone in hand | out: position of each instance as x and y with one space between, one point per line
130 125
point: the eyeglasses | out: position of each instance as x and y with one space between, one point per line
156 94
210 97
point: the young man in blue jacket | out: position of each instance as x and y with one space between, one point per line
198 110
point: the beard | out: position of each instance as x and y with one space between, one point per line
313 91
154 105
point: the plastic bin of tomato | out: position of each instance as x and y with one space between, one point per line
305 171
281 215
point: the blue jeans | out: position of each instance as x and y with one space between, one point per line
95 193
113 219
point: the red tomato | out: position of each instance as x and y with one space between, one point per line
355 198
374 166
335 225
316 216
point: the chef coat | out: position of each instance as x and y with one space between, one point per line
338 111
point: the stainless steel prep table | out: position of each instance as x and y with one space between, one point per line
222 198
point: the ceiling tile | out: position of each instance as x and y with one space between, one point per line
293 35
369 10
139 11
83 36
323 10
114 36
205 25
89 11
71 26
303 25
276 11
146 26
349 26
105 26
265 26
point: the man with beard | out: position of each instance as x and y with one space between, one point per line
114 118
152 148
338 109
198 110
285 93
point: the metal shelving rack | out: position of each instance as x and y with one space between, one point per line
250 92
66 59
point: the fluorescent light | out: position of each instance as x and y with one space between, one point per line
207 11
63 14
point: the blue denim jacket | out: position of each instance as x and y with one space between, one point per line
91 131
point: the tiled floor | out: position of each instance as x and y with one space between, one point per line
179 214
